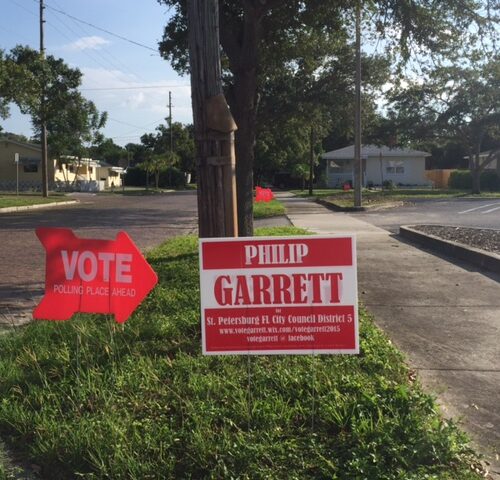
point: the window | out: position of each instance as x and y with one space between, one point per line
340 166
30 164
30 168
395 167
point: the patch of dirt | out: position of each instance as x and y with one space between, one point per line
482 238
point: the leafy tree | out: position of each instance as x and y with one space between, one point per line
76 128
307 107
182 140
137 151
183 143
110 152
14 136
4 99
456 103
72 122
33 75
158 163
260 37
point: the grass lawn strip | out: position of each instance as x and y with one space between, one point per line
27 200
268 209
92 399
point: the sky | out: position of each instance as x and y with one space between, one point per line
128 81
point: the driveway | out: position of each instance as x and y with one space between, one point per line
484 213
148 220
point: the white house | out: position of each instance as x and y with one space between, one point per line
402 166
493 165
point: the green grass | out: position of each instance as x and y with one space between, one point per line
91 399
268 209
12 200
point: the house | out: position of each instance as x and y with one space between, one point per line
399 165
86 174
493 165
111 176
27 173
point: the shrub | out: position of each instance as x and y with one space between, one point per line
490 181
388 185
135 177
462 180
171 177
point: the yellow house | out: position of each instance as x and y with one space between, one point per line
27 173
86 174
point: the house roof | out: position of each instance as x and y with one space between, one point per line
32 146
367 151
484 154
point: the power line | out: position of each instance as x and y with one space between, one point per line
104 65
135 88
99 52
102 29
124 123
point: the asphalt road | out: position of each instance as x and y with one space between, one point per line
148 220
483 213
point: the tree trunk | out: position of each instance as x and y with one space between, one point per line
245 142
242 50
311 161
476 181
213 124
475 170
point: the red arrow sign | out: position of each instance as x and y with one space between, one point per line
92 276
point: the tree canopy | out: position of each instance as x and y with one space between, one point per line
262 39
73 122
455 103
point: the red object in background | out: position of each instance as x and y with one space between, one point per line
263 194
92 276
346 187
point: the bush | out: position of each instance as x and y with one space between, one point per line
135 177
388 185
490 181
462 180
172 177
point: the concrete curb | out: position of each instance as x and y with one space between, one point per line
373 208
479 258
36 207
337 208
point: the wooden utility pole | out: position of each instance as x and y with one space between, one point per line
311 160
213 124
170 121
43 126
358 164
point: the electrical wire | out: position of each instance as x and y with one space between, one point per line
121 37
109 58
138 87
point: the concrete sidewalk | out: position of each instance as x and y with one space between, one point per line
443 314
